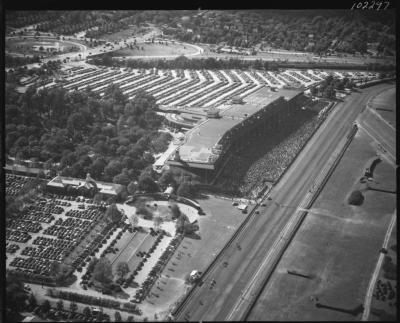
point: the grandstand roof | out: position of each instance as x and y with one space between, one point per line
201 139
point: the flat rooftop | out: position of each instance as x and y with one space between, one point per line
200 140
105 188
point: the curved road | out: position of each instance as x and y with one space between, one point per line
235 268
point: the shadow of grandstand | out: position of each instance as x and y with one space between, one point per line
354 312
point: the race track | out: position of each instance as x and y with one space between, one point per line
235 268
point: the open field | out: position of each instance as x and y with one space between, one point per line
157 50
337 246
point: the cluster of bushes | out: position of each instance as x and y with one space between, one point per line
389 268
356 198
132 308
85 299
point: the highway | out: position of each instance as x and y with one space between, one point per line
237 270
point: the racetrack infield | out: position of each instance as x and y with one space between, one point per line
157 50
337 246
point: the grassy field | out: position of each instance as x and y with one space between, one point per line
156 50
216 227
337 246
24 46
128 246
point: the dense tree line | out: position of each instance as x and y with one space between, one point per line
22 18
312 30
347 31
12 61
327 88
182 62
111 138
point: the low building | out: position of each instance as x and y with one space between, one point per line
26 171
63 185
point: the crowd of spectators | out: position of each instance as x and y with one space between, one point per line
253 165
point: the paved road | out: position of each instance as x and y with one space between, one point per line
220 302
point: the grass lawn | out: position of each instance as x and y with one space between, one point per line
24 46
337 245
156 50
128 246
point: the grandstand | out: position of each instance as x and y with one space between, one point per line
206 146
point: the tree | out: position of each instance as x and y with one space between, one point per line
181 222
45 307
32 301
113 213
99 317
132 187
130 318
122 178
314 91
16 294
92 264
329 92
134 220
356 198
122 268
87 311
60 305
166 179
59 271
102 272
157 220
176 212
147 184
118 317
73 307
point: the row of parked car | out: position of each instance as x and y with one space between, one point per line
145 288
45 252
